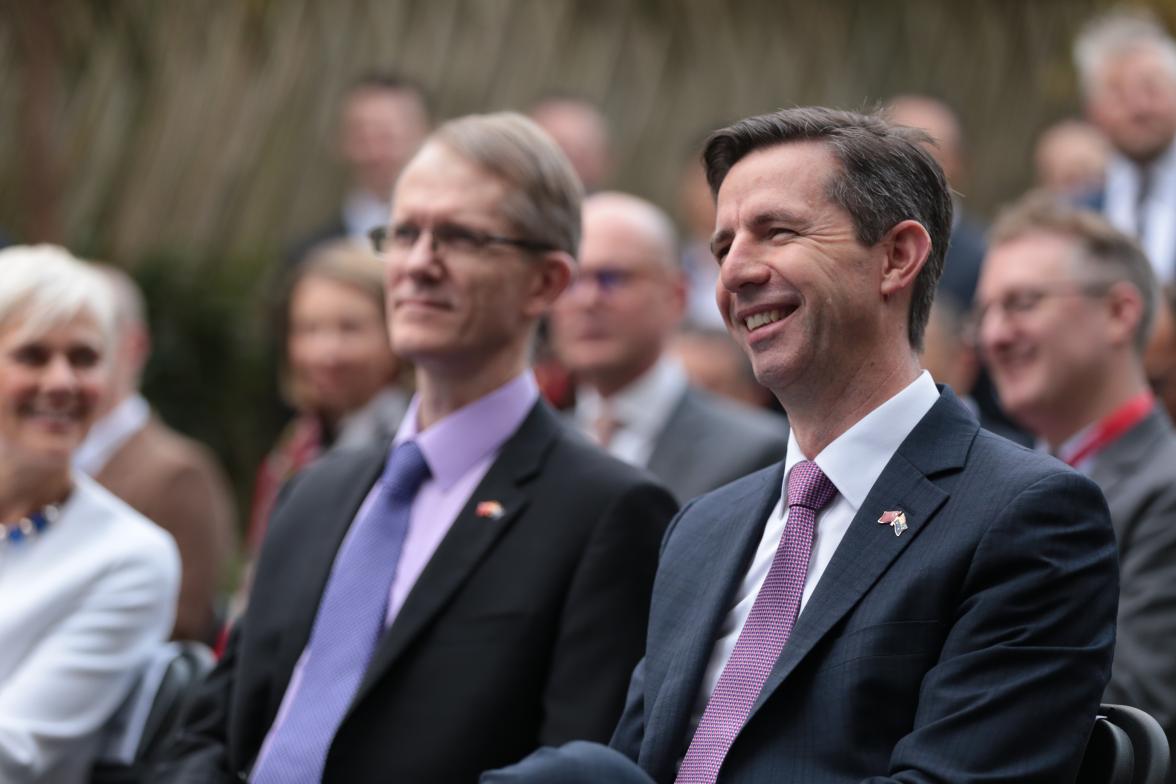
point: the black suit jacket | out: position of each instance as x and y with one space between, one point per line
973 647
521 631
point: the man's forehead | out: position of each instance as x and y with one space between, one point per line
790 169
1034 255
442 178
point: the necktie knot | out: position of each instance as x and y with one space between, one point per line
809 487
405 471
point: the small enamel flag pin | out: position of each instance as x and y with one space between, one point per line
896 520
490 509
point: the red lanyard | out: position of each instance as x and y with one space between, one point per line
1114 425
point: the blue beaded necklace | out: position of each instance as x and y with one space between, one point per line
28 528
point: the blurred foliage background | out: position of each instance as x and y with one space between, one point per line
192 141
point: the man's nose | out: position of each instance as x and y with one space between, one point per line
742 266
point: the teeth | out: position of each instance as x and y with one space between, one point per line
760 319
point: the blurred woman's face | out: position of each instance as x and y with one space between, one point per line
338 348
50 385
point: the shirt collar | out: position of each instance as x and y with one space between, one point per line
642 407
855 459
363 212
108 434
457 442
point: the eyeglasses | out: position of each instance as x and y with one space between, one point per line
608 280
445 237
1020 303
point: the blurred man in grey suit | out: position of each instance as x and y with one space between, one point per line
1066 303
611 329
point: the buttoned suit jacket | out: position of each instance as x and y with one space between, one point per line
708 442
176 483
973 647
521 631
1137 474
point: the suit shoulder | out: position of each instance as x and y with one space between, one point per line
577 459
740 421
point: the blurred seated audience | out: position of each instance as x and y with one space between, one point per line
1065 303
170 479
965 249
383 120
1126 64
580 129
715 363
1160 358
612 328
340 374
696 209
1070 159
89 584
949 353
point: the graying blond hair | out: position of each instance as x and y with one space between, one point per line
44 286
1115 33
543 200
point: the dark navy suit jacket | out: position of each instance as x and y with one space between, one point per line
973 647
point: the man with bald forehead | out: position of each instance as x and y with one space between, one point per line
612 329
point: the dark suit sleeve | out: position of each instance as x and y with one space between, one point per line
196 753
602 630
1020 675
1144 672
630 730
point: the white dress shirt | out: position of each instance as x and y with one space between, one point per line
109 433
853 462
363 212
640 409
85 604
1159 209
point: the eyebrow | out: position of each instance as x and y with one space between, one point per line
761 219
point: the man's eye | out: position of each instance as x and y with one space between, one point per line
405 235
457 237
1022 302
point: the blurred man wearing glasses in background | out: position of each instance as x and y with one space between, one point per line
611 329
429 609
1065 306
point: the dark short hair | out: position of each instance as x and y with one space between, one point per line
1105 253
886 177
392 82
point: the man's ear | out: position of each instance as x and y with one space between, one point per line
1124 311
554 270
907 246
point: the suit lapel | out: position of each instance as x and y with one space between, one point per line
667 455
735 539
469 539
939 442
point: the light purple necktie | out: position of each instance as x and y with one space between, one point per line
764 634
346 628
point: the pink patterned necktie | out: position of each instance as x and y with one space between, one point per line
764 634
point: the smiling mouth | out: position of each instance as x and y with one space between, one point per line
762 319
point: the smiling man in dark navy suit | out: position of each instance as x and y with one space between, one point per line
906 598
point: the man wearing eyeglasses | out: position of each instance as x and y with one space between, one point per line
1065 306
429 609
612 328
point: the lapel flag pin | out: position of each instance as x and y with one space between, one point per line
896 520
489 509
